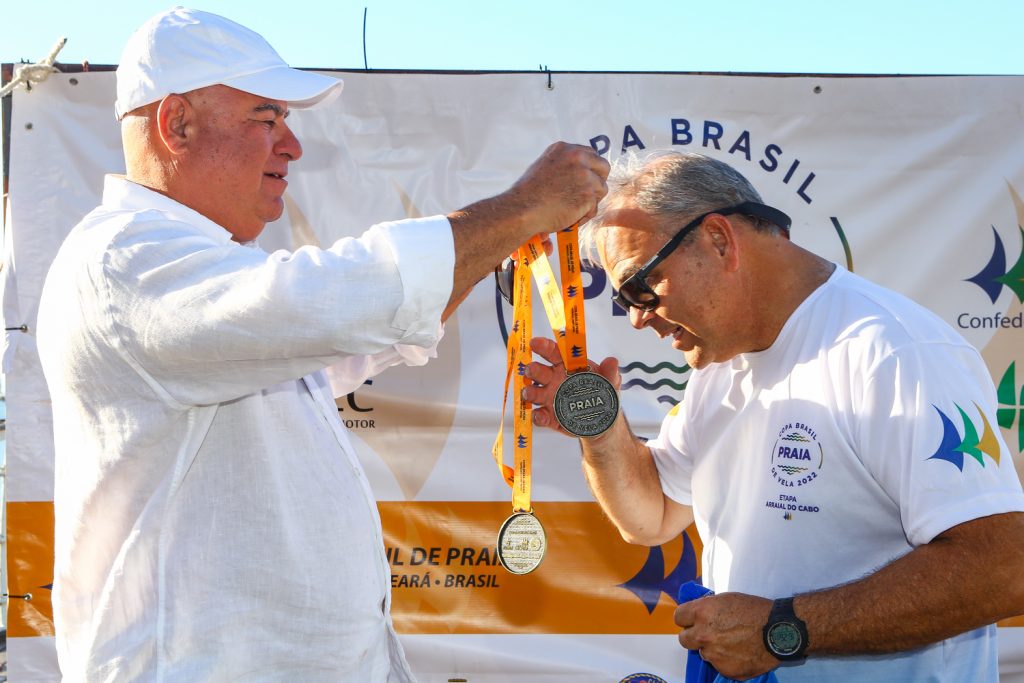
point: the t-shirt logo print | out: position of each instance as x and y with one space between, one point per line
796 455
953 447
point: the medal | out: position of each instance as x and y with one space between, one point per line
521 543
586 404
521 539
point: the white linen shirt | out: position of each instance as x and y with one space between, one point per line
212 520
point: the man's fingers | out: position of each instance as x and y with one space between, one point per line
686 640
547 378
545 417
544 375
542 417
586 155
690 639
683 616
569 179
609 369
546 349
600 165
539 393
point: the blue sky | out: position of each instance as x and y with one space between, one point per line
787 36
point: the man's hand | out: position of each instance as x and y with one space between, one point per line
546 379
562 187
727 630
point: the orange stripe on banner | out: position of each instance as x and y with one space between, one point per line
446 578
445 574
30 569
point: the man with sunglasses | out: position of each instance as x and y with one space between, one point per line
850 533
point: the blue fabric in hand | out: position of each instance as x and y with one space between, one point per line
697 670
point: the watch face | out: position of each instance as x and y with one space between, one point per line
784 638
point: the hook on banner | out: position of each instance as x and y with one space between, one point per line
28 74
545 69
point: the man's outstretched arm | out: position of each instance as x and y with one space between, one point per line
618 465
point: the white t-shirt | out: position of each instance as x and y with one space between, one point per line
212 521
833 452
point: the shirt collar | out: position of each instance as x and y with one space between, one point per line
121 194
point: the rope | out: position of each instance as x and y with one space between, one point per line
34 73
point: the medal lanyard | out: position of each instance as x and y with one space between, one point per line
564 309
517 358
574 340
522 542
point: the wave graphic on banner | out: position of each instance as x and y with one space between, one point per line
679 386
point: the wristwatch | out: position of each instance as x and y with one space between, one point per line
785 634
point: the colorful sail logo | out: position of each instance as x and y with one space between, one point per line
953 447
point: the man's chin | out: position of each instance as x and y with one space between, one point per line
255 227
680 345
693 355
278 207
274 211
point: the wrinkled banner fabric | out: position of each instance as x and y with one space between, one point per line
912 182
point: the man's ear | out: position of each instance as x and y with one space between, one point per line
173 118
722 234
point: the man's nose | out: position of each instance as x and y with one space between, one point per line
288 145
639 318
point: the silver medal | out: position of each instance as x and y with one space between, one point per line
586 404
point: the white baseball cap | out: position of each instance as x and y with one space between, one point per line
186 49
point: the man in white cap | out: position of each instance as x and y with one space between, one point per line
212 520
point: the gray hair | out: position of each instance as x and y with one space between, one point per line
673 185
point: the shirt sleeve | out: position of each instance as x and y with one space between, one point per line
204 322
927 433
350 372
672 456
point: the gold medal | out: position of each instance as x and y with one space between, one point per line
521 543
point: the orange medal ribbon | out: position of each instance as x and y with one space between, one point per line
574 343
587 401
518 357
522 541
585 404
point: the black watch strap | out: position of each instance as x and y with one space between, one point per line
785 634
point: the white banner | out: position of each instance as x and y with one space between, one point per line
911 182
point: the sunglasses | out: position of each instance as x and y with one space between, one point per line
634 292
505 277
